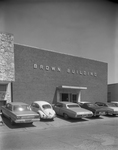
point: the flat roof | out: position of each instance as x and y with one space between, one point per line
72 87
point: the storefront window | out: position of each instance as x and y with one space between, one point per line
65 97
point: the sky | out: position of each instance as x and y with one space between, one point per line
83 28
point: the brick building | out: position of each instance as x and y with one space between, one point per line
113 92
50 76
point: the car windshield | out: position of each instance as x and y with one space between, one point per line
72 106
103 104
21 108
90 105
46 106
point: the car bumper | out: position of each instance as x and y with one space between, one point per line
99 113
115 113
84 115
48 117
26 120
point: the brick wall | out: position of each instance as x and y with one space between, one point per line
38 73
113 92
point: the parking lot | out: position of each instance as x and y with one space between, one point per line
72 134
58 122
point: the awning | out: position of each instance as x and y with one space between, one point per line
72 87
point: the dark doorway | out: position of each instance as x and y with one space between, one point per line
3 88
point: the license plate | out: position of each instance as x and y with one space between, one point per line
27 120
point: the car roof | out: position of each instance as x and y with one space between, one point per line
83 102
101 102
17 103
113 102
68 103
41 102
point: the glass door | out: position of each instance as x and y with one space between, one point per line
73 98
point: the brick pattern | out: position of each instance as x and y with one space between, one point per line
32 83
7 72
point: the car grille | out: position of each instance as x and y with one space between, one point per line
84 115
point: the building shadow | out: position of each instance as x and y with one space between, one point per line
111 116
72 120
55 97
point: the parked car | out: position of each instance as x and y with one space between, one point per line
108 105
97 111
1 121
71 110
19 112
44 109
115 103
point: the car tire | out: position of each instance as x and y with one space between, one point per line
97 116
65 116
52 119
39 116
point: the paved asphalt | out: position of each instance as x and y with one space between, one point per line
73 134
45 124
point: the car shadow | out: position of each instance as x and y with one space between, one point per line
92 118
72 120
111 116
6 122
46 120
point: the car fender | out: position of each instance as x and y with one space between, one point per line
69 112
41 113
5 112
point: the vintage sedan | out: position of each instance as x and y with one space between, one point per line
110 106
19 112
71 110
97 111
44 109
